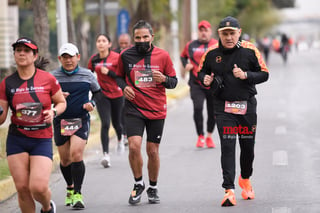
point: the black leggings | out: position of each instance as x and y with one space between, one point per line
107 108
198 95
230 128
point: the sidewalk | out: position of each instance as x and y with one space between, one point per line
7 187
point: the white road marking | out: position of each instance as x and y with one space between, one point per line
281 115
281 130
281 210
280 158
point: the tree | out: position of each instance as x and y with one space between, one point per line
258 17
143 12
255 16
71 27
283 3
41 26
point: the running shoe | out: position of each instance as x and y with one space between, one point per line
229 198
53 208
247 191
200 142
135 195
126 142
210 143
69 197
153 195
120 146
105 161
77 201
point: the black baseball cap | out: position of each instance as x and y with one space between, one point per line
26 41
230 23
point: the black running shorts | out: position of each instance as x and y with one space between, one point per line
136 125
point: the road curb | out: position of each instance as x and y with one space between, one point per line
7 187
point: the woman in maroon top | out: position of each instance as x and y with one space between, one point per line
110 102
30 92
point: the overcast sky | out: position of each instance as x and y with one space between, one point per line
304 8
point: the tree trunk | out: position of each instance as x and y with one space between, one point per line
41 27
84 41
71 28
143 12
185 24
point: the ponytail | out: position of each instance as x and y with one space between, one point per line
41 63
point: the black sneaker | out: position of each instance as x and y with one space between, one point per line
53 208
153 195
135 195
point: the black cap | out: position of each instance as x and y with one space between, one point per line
26 41
229 23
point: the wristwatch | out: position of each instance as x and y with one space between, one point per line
55 112
93 103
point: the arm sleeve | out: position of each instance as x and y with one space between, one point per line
184 61
257 77
96 96
259 72
170 73
112 74
94 85
184 55
171 82
204 68
120 75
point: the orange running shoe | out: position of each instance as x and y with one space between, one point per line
247 191
229 198
200 142
210 143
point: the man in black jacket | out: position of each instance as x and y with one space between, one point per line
232 69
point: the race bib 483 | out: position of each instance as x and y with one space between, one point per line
144 78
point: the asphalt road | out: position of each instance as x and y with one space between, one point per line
286 169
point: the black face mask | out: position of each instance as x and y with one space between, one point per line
142 47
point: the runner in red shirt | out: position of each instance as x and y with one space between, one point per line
110 102
145 71
190 58
29 93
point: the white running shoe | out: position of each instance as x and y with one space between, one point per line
105 161
126 142
120 146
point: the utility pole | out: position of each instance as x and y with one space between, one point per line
4 37
175 36
62 27
102 20
194 18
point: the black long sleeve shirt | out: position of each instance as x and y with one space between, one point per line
221 62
